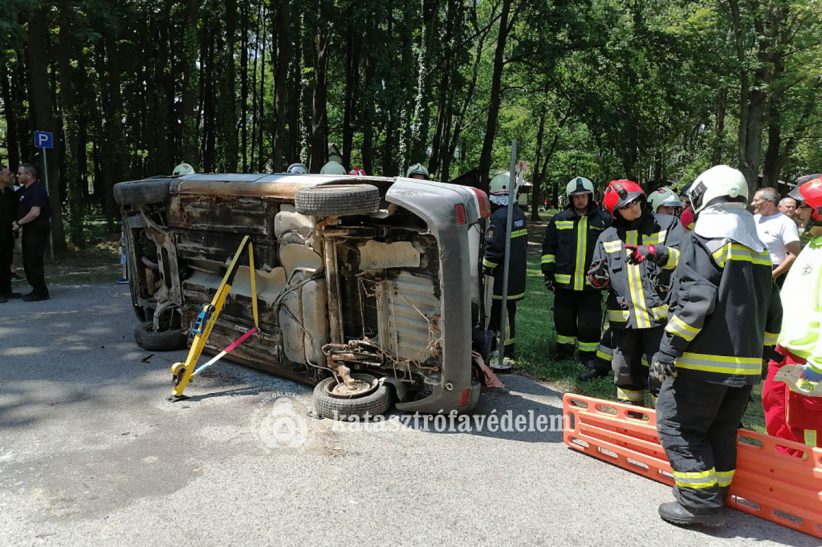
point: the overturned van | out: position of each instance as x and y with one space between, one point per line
364 284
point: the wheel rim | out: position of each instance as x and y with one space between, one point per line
359 388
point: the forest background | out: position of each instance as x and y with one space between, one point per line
653 90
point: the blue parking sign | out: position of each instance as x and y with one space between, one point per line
43 139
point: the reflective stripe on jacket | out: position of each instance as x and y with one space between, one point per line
724 309
569 245
638 293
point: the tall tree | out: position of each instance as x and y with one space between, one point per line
495 95
42 104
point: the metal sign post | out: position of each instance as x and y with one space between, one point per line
44 140
512 194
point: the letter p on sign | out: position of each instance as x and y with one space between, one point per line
43 139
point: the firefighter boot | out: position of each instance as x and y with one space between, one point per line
594 368
675 513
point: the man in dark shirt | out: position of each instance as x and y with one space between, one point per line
8 210
33 214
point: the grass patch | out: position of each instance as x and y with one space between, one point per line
536 342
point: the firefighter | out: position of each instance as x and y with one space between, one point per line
417 171
664 201
183 169
788 414
567 249
635 258
724 309
493 263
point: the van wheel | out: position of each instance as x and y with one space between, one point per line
371 402
338 200
142 192
165 340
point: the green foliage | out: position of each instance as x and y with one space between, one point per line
651 89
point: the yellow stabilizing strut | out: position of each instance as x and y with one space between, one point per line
183 372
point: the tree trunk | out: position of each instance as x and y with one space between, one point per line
719 126
244 45
494 97
189 119
261 159
282 23
453 139
209 100
227 93
41 110
421 116
9 112
319 114
71 124
537 174
352 79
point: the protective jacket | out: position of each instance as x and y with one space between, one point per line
724 309
638 293
569 245
495 251
800 332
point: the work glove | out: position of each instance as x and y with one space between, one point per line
663 366
488 271
598 275
657 254
549 282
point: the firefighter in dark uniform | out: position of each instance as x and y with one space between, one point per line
493 263
33 214
567 249
635 258
8 212
724 311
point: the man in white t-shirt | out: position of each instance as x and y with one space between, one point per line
777 231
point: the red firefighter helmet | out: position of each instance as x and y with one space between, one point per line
811 195
620 193
357 172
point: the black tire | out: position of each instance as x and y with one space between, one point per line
142 192
339 200
372 404
166 340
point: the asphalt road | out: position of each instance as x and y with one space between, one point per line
91 452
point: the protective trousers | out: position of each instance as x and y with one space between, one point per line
633 349
35 243
605 351
511 319
6 258
697 423
578 319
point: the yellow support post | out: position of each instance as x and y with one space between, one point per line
182 372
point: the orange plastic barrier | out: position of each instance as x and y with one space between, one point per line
768 483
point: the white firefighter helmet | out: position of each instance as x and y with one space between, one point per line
333 168
417 169
717 184
579 185
183 169
663 196
498 189
297 169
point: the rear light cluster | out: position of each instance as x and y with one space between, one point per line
483 207
459 213
482 201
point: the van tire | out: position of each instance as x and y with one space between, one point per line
142 192
373 404
338 200
166 340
